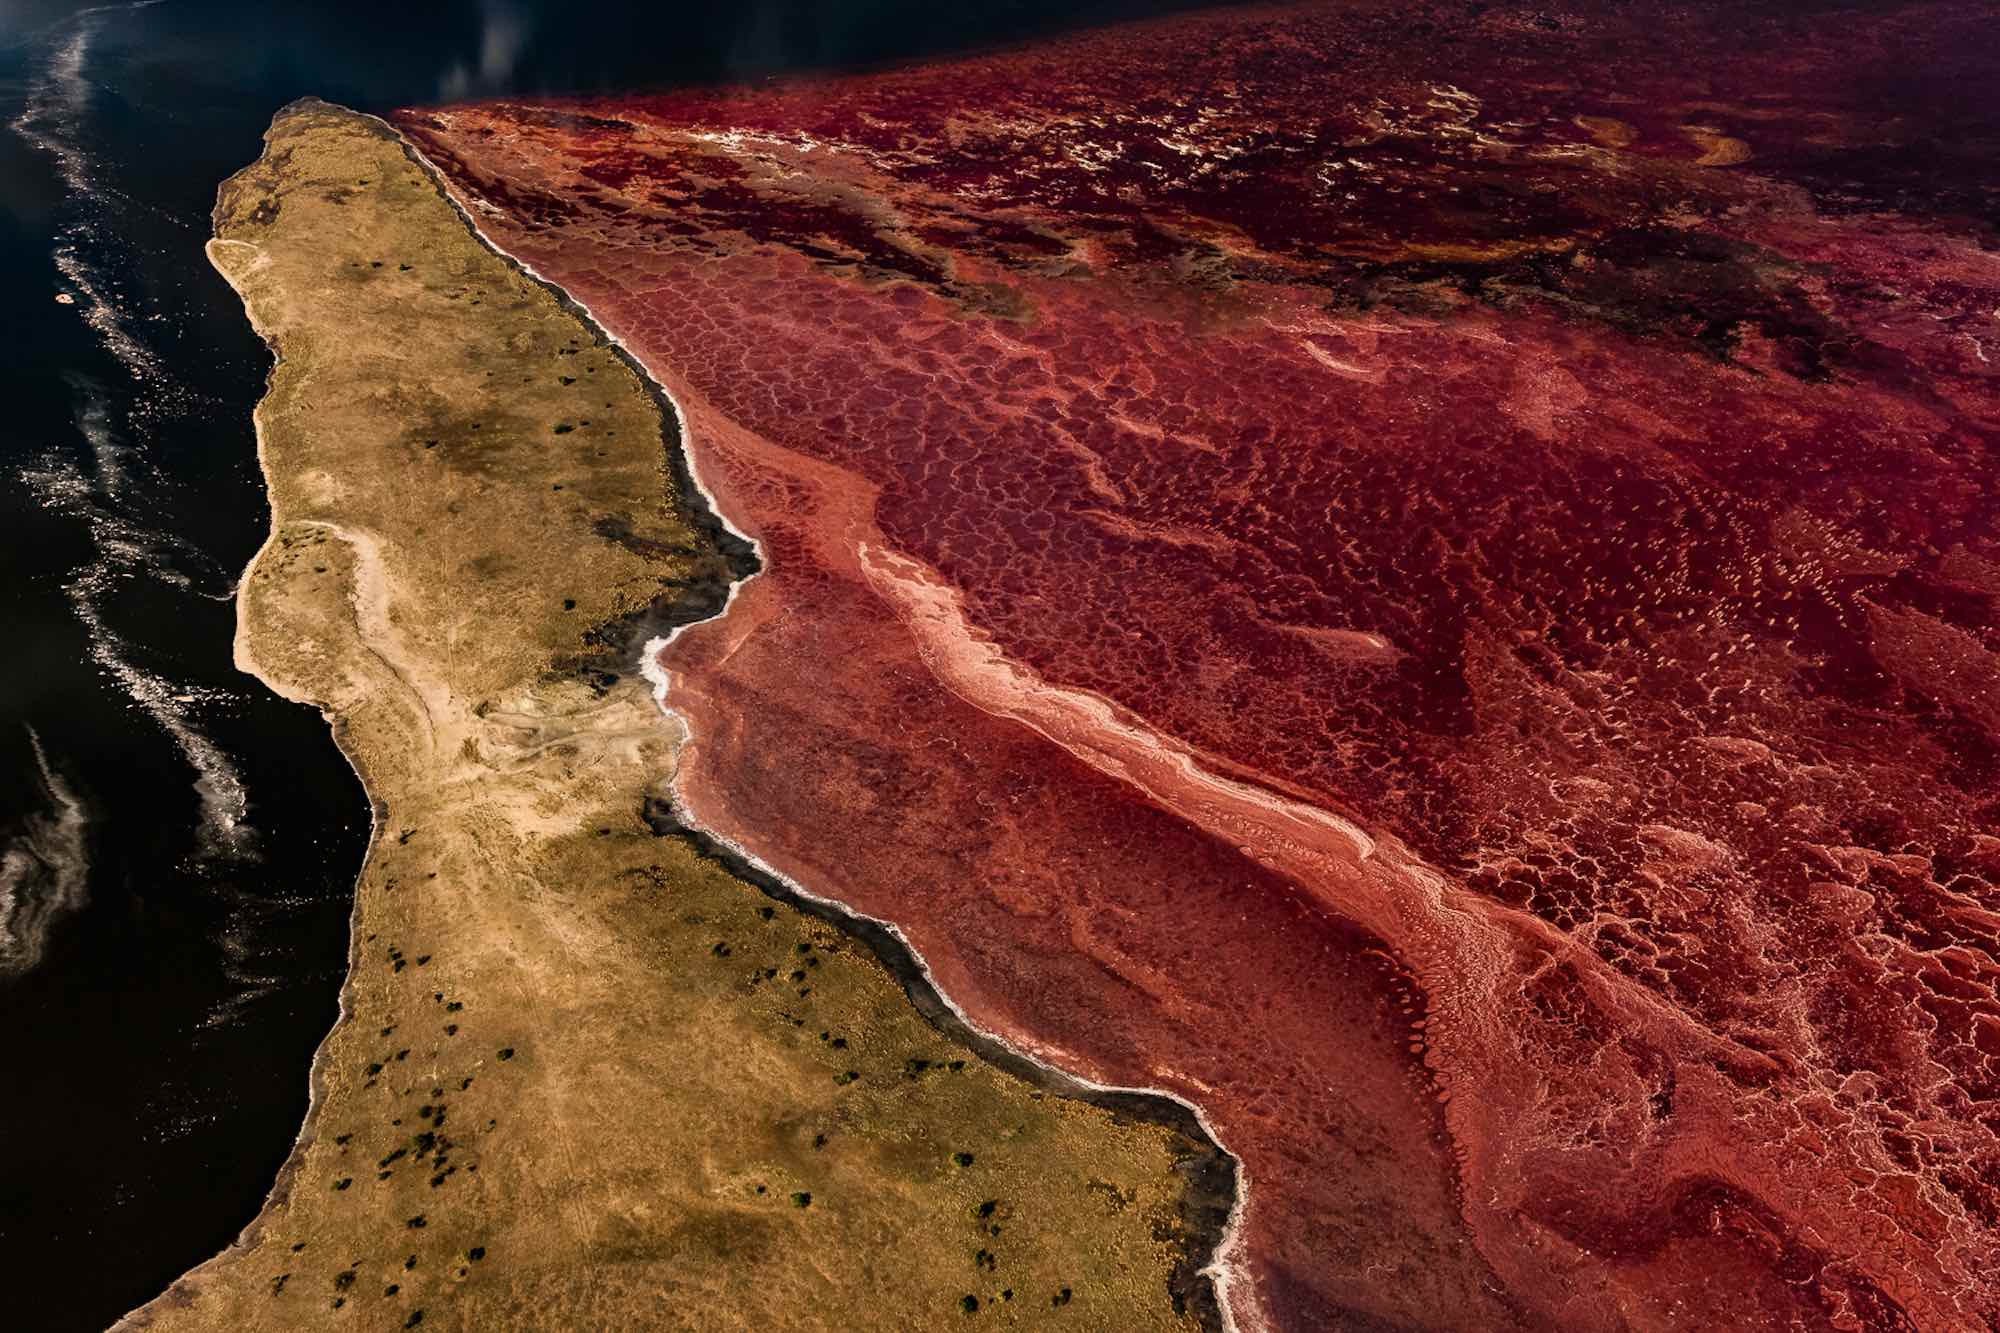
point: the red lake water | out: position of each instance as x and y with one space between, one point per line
1420 578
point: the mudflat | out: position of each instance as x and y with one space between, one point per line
586 1075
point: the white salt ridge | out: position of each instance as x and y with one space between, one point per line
1238 1301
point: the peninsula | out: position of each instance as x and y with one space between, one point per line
590 1071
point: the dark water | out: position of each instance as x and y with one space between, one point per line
177 847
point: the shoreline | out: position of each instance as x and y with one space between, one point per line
246 661
1222 1267
1208 1194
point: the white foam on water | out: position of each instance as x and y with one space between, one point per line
105 501
52 119
44 869
111 455
127 550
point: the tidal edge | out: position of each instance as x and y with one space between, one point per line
1216 1187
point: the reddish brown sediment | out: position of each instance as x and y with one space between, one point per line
1423 579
